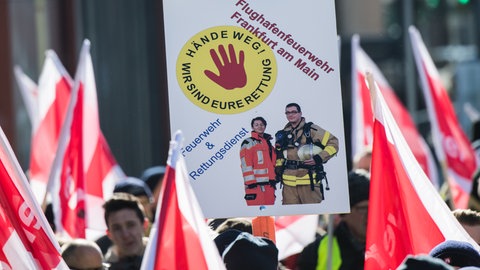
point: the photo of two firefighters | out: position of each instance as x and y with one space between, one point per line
263 165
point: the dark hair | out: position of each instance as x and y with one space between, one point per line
358 186
258 118
120 201
294 105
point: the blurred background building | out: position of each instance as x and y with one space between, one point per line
129 60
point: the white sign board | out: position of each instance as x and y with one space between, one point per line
231 61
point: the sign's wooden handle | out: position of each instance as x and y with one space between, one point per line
264 227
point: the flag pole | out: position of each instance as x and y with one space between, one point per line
330 241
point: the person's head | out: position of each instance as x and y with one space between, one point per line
470 221
456 253
139 189
259 124
293 113
363 159
216 222
126 224
242 250
153 176
423 262
359 190
82 254
241 224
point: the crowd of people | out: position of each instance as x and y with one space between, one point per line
301 182
267 166
348 241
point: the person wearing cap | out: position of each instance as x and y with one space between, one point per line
349 236
153 177
423 262
302 148
456 253
242 250
139 189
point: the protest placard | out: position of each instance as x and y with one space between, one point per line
231 61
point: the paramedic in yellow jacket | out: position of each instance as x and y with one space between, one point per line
258 157
302 149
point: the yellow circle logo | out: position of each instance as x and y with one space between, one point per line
226 70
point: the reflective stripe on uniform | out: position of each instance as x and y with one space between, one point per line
260 171
244 166
262 179
330 150
260 157
248 178
323 254
292 180
325 138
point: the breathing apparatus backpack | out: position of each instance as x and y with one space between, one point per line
284 140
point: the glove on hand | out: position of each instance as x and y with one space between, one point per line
318 160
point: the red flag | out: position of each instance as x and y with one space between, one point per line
99 165
84 171
293 233
29 92
53 95
453 149
180 238
26 239
363 116
406 213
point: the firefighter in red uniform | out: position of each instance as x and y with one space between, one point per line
258 157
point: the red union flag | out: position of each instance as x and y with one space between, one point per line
452 146
84 171
180 237
53 95
406 214
26 239
363 116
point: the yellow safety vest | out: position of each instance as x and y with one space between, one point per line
323 254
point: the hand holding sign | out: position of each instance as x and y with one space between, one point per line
231 73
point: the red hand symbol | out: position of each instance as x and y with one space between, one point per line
231 74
